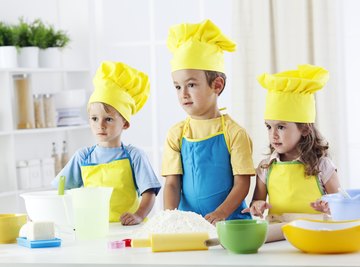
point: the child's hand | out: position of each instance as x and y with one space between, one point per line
257 208
215 216
320 205
130 219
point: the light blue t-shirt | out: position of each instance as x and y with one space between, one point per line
145 177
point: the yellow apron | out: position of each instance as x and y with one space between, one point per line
290 190
117 174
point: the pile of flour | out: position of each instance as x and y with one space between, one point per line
175 221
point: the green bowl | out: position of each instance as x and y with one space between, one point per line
242 236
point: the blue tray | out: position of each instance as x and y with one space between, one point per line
22 241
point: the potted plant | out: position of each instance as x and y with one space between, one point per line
8 57
28 36
51 44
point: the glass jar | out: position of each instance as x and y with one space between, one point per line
39 111
49 110
24 102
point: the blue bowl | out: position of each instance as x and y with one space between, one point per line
343 209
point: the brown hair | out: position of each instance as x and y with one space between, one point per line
311 148
212 75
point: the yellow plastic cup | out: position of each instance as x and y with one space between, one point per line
91 207
10 225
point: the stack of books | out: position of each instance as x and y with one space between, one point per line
69 117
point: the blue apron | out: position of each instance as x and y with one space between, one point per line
207 174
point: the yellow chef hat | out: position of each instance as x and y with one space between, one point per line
122 87
291 93
198 46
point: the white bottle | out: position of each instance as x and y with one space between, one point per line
34 173
57 159
48 171
22 173
64 155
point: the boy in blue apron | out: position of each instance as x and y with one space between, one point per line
207 160
298 171
120 91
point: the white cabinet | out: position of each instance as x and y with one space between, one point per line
34 146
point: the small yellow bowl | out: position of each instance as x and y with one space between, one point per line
313 236
10 225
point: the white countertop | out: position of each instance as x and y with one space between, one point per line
96 253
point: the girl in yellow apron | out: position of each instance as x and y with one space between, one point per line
120 91
298 171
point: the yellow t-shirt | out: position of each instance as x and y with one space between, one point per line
238 141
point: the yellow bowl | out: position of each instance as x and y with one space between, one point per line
10 225
313 236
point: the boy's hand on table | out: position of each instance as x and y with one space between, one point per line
130 219
215 216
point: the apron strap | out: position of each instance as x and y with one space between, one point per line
186 126
131 163
187 122
223 129
87 155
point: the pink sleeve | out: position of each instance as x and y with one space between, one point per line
327 169
261 172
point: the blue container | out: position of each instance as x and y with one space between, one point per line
343 209
22 241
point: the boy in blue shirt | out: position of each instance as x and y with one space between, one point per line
120 91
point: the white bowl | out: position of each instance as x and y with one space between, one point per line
49 206
344 209
68 99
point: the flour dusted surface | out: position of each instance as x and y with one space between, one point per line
176 221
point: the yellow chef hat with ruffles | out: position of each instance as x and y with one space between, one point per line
290 94
198 46
122 87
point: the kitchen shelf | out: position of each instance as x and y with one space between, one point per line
36 144
51 130
44 130
41 70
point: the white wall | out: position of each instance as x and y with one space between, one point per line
140 41
71 16
351 48
135 31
